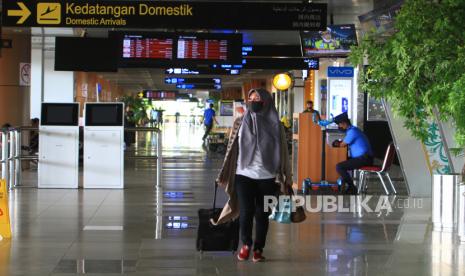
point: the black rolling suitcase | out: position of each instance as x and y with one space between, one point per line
223 237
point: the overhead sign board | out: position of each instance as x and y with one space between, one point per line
281 63
158 94
201 71
164 14
193 80
313 63
227 66
271 51
199 86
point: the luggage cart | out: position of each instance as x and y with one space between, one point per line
217 140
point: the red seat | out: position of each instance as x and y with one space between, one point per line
380 171
371 168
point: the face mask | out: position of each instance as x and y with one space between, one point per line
256 106
341 129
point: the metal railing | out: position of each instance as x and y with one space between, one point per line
11 153
11 156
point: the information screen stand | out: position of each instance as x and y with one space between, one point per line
104 146
59 145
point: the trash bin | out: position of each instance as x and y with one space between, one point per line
445 199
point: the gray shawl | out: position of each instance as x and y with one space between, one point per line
262 130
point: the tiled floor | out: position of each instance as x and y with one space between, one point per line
144 231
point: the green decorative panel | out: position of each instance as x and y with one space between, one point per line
437 157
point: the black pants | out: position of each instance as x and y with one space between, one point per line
250 193
344 167
208 128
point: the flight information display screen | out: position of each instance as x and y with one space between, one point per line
161 50
148 48
159 95
204 49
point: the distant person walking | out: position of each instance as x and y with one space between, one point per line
208 118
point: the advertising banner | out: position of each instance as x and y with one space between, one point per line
340 88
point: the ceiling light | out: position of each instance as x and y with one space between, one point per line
282 81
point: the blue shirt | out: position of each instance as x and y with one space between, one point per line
208 116
358 142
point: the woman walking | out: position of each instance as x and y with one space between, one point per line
256 165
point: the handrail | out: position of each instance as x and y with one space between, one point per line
4 154
135 129
11 152
142 157
28 128
29 157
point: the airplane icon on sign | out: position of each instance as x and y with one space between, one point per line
48 10
49 13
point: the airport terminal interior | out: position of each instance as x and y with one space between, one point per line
110 153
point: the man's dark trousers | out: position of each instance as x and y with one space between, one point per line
344 167
207 130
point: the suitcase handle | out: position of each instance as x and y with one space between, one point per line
214 198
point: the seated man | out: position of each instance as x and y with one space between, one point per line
359 151
34 138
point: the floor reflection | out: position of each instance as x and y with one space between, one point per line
159 225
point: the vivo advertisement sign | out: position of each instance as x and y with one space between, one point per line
340 72
340 91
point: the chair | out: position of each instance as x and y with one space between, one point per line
380 171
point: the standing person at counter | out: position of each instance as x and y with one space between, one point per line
360 151
310 109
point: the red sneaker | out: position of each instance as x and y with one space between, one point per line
258 257
244 253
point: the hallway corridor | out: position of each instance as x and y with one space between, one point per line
142 230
